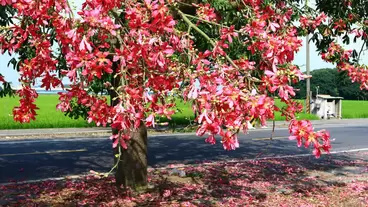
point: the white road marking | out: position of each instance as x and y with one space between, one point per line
42 153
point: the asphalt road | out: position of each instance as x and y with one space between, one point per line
39 159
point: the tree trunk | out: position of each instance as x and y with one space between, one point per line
131 169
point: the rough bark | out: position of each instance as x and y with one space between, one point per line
131 169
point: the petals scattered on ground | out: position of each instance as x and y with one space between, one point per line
329 181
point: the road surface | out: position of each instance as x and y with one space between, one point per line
40 159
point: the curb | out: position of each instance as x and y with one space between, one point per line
7 134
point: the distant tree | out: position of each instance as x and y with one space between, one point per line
324 78
332 82
349 91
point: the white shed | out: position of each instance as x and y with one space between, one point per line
326 106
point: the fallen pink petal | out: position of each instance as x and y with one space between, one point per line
335 181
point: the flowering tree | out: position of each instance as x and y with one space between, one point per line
228 58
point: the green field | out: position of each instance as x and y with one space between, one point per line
48 117
354 109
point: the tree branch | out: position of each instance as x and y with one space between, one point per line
209 22
71 10
361 50
185 18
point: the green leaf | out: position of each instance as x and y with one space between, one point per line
354 54
346 39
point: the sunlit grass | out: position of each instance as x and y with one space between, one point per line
49 117
354 109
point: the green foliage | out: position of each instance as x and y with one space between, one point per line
349 90
326 79
97 87
230 16
222 5
332 82
77 111
6 90
6 14
339 9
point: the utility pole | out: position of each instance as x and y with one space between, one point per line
307 65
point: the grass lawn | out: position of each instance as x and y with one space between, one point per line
186 114
354 109
48 117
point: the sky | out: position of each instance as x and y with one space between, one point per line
316 62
